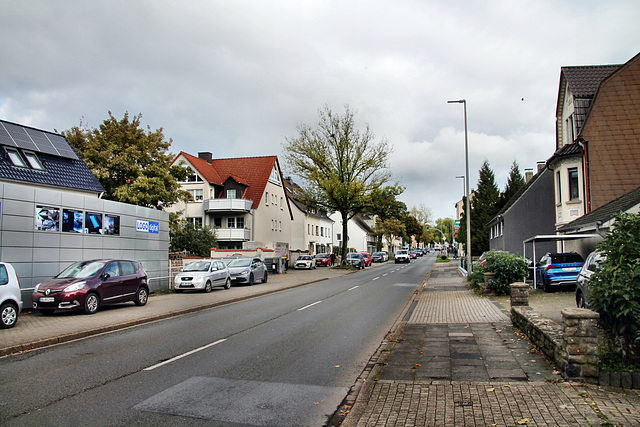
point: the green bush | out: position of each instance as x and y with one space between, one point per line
507 267
498 288
615 288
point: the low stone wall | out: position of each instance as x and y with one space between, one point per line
544 333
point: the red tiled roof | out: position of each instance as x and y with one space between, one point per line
208 173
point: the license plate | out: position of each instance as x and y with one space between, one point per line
569 269
47 299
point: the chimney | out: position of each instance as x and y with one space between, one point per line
528 174
541 166
206 156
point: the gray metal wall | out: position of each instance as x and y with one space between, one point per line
37 255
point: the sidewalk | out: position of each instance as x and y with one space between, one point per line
456 361
34 330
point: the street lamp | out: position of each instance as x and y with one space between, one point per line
467 207
463 186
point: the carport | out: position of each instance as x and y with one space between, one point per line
548 238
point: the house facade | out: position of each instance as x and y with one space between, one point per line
244 199
359 233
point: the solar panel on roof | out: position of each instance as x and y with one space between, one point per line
35 140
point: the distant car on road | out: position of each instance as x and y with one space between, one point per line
305 262
323 260
413 254
402 255
202 275
356 259
247 270
594 260
377 257
367 259
558 269
87 285
10 297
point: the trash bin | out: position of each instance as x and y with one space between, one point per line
273 265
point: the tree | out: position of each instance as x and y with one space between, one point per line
384 206
413 227
514 184
196 240
483 209
388 228
131 164
446 226
340 165
422 213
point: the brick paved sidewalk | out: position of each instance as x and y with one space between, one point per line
457 361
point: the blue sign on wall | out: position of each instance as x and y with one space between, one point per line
147 226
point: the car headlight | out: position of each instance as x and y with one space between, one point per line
245 272
37 288
75 287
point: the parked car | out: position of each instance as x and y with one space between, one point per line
305 262
356 259
367 259
323 260
377 257
247 270
385 256
402 255
202 275
87 285
10 297
594 260
558 269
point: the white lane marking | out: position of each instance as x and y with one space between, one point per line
355 287
310 305
188 353
375 278
385 274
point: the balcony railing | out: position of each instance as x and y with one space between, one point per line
233 234
227 205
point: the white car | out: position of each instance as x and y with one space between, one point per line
202 275
305 262
10 296
402 255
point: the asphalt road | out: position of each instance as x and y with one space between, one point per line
284 359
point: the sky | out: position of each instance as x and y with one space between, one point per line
237 77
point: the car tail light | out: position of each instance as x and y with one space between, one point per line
548 267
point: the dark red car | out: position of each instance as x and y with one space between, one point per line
368 260
323 260
87 285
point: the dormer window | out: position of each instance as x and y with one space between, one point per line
231 194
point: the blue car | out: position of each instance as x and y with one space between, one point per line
558 270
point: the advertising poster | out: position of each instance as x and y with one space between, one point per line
47 218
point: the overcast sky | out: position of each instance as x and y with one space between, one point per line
237 77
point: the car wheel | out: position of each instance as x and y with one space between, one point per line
264 279
178 291
207 287
227 284
546 286
580 302
251 279
8 316
142 296
91 303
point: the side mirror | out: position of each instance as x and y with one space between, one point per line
105 276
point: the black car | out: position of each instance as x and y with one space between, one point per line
356 259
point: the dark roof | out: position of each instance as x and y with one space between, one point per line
584 80
62 169
604 213
566 150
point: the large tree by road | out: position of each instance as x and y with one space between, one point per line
131 163
339 164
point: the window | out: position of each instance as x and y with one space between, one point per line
15 158
317 232
558 188
4 276
93 223
281 203
266 199
217 222
570 131
280 222
240 222
322 231
47 218
196 194
72 221
231 222
111 225
33 160
231 194
574 190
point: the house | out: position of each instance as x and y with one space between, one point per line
52 213
597 156
311 231
244 199
529 212
359 233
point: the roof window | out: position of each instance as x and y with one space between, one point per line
33 160
15 158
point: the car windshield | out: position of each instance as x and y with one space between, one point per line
239 263
402 252
81 269
306 258
198 266
321 256
353 255
377 254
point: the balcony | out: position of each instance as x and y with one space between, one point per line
227 205
233 234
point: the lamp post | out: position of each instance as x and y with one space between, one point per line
467 206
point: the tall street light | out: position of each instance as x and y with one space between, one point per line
467 207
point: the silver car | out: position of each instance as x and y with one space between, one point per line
202 275
247 270
594 260
10 298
